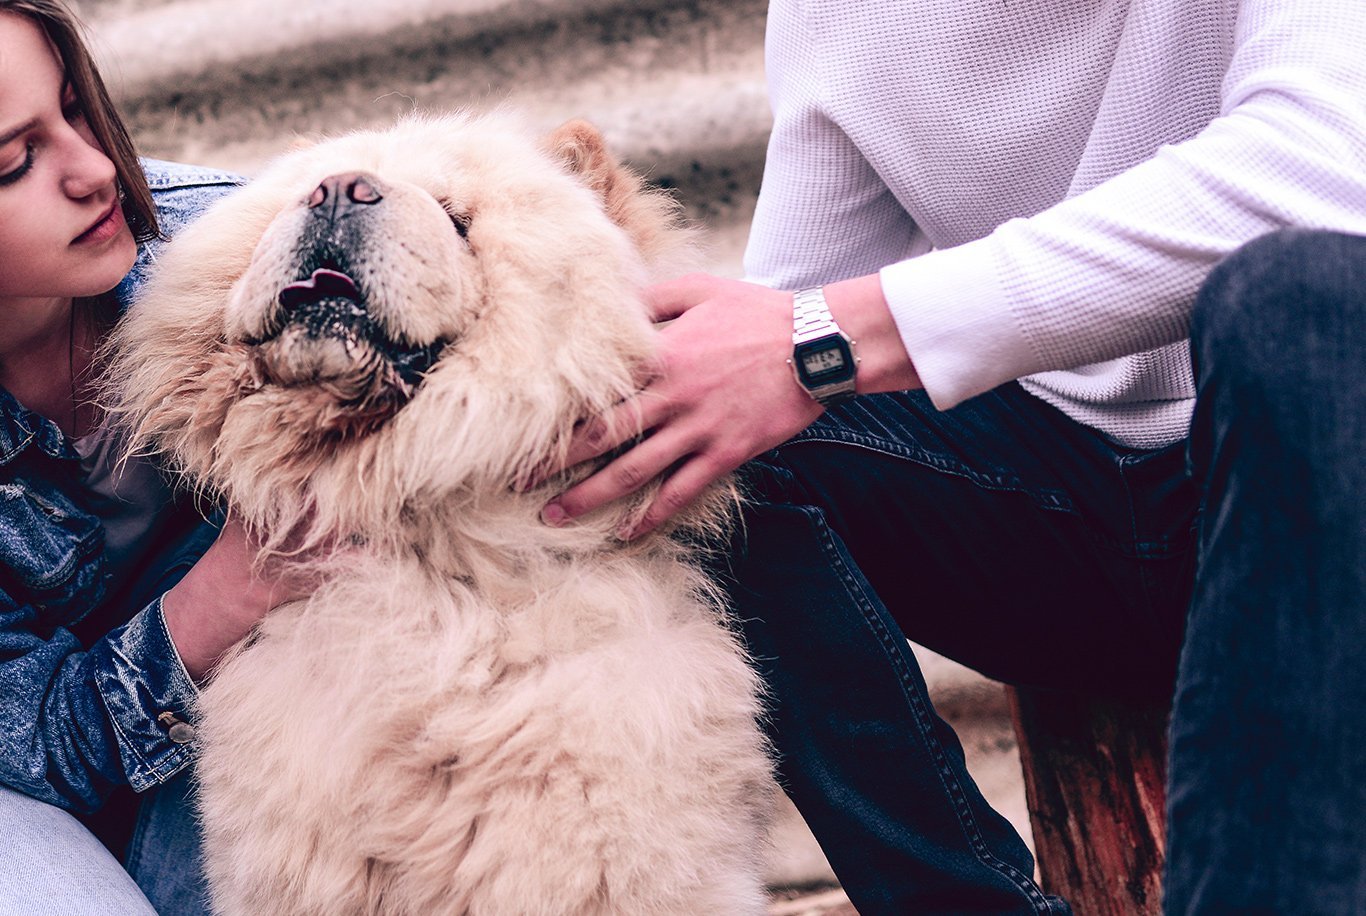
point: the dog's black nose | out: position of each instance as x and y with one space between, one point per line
341 192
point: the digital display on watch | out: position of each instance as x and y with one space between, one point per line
818 361
825 361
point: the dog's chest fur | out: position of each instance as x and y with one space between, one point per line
401 743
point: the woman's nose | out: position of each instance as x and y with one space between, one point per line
87 170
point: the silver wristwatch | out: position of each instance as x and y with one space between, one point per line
822 355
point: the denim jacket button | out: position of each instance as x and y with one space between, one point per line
177 729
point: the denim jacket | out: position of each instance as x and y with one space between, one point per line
79 715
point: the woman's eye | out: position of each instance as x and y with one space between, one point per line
73 111
15 174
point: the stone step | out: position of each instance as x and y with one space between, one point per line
675 85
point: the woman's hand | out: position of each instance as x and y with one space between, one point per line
223 596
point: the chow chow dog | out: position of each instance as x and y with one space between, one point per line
365 354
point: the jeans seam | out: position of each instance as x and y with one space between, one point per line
962 810
1121 465
1045 499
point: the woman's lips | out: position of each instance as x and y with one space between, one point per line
105 228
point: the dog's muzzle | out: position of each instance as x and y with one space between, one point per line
319 336
328 306
324 337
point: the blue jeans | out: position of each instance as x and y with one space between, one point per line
163 855
54 866
1015 540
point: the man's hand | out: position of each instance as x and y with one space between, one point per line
722 394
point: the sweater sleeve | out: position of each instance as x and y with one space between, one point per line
1114 270
823 213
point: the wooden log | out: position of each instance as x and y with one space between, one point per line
1095 781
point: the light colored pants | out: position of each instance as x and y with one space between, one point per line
53 866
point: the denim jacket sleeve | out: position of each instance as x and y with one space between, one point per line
77 721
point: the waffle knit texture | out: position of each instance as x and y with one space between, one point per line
1044 184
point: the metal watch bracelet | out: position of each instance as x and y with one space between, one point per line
812 322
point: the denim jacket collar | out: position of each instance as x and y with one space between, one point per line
21 427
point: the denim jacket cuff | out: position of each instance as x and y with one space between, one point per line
149 695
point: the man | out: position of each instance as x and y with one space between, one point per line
967 195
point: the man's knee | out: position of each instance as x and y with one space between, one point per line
1283 306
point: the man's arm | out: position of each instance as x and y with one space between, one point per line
1111 271
724 391
1114 270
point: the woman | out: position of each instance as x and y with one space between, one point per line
111 608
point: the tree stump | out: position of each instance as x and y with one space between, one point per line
1095 781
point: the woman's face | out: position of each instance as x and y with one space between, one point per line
62 232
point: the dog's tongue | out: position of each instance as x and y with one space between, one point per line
324 284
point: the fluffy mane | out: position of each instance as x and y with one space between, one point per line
557 226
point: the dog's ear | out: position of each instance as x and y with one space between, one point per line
650 217
581 148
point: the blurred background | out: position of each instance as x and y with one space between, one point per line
676 86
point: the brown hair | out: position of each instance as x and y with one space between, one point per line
65 33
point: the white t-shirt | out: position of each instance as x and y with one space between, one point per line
1044 184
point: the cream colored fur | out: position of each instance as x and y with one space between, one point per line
475 713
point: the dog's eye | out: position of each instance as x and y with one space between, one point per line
460 218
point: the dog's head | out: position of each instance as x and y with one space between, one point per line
393 320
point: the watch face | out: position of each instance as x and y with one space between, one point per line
822 360
826 361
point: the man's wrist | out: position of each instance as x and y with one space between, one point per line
860 308
823 358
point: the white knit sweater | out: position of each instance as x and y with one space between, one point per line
1045 183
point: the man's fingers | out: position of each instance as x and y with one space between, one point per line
628 473
622 423
666 301
600 435
679 491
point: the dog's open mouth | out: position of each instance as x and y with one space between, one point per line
326 338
